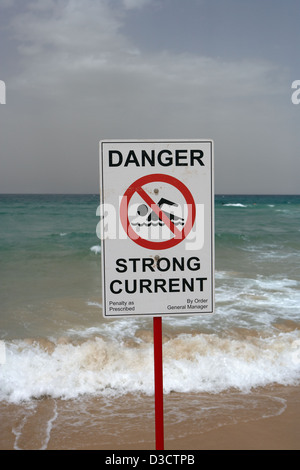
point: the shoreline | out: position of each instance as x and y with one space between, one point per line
265 419
281 432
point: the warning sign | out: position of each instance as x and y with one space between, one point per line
157 227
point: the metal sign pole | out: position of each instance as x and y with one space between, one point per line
158 381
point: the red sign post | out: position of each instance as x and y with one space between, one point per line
158 383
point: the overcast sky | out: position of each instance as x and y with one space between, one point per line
78 71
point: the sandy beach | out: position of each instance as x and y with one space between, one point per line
280 432
266 419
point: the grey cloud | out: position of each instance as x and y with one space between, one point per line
83 80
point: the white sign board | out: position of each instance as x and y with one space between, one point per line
157 227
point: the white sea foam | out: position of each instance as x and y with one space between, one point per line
238 204
49 426
29 411
96 304
201 362
96 249
268 297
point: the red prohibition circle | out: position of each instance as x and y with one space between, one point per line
179 235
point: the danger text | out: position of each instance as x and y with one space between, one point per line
164 157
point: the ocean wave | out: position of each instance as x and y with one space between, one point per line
192 363
259 301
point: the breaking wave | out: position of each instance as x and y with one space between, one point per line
192 363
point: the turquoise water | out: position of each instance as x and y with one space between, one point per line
50 290
45 251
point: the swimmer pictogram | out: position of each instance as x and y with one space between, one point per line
150 213
153 219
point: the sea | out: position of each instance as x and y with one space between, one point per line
71 379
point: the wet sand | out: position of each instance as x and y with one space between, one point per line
266 419
281 432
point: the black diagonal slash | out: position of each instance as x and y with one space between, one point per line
161 214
